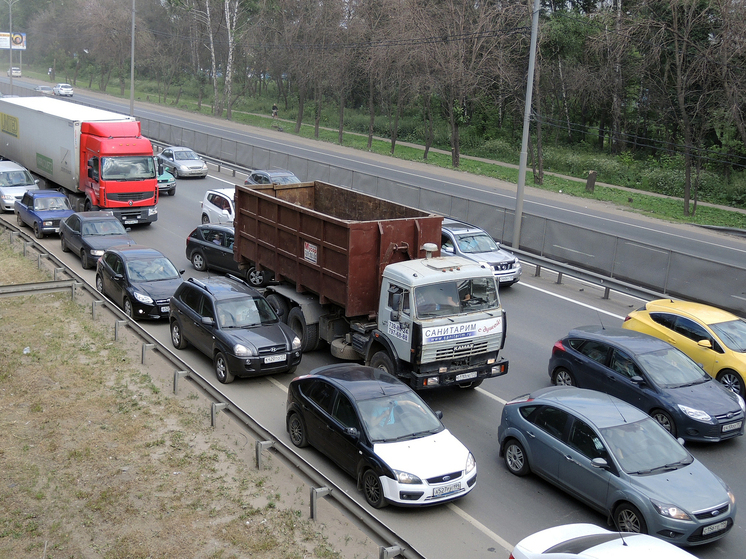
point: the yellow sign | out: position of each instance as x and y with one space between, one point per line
9 125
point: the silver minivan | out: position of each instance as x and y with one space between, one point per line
14 182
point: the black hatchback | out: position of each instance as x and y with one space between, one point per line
234 325
651 375
89 234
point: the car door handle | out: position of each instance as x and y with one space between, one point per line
569 458
531 434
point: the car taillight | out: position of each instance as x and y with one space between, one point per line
520 399
558 347
626 318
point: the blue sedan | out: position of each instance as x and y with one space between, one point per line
42 210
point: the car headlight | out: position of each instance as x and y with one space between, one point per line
697 415
470 463
295 343
47 223
9 197
240 350
670 511
101 253
741 403
142 298
405 477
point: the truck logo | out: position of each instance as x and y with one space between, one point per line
129 202
463 347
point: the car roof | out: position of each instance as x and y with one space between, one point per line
133 252
46 194
704 313
274 172
456 226
634 342
360 382
225 191
11 165
180 148
217 227
598 408
91 216
224 287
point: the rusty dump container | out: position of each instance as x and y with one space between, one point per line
329 240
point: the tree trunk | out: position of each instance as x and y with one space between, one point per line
317 113
429 121
395 128
341 115
453 120
301 107
371 112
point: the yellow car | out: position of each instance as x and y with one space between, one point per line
714 338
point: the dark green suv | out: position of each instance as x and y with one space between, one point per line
232 323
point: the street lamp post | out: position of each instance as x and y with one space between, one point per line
132 64
10 39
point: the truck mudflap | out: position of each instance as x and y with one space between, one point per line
472 376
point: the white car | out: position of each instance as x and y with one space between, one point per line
217 206
63 90
15 72
588 541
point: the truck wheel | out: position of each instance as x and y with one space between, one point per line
90 207
63 244
257 278
381 360
280 305
308 333
222 371
38 233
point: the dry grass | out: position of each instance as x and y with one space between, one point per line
96 460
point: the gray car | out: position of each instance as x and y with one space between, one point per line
271 176
14 182
461 239
182 162
619 461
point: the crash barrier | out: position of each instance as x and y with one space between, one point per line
654 269
152 349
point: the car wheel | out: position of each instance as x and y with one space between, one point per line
221 369
19 220
256 278
515 458
308 333
205 218
292 369
84 260
198 261
627 518
732 381
373 490
38 233
280 305
63 244
381 360
99 284
172 192
562 377
176 338
665 420
127 307
297 430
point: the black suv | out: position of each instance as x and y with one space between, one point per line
231 322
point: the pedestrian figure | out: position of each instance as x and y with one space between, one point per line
274 110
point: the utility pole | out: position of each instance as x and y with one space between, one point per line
132 64
10 39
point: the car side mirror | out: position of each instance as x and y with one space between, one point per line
181 272
395 316
600 463
682 442
352 433
226 213
705 344
448 249
118 277
208 321
637 379
439 414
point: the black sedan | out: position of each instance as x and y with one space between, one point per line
139 279
651 375
379 430
210 246
89 234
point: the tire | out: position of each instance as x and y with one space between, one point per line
205 219
198 261
84 260
172 192
175 173
297 430
308 333
381 360
665 420
88 207
20 222
563 377
280 305
99 284
627 518
732 381
176 338
222 371
38 233
256 278
127 308
63 244
515 458
292 370
373 490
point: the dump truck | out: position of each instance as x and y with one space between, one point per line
97 158
364 275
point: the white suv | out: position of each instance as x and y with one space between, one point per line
217 206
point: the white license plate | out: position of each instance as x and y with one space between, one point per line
164 309
466 376
712 528
275 358
732 426
130 222
446 489
506 278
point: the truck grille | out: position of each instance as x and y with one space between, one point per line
127 196
456 351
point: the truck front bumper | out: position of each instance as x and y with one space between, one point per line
432 375
135 216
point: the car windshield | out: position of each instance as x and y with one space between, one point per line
103 227
732 334
137 167
456 297
478 242
51 204
644 447
185 155
670 368
245 313
154 269
16 178
399 417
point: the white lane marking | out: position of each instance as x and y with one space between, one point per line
278 384
587 306
496 398
481 527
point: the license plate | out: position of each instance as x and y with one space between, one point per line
712 528
275 358
732 426
466 376
446 489
164 309
506 278
130 222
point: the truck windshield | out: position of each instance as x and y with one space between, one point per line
131 168
455 297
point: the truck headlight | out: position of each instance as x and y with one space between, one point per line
142 298
153 210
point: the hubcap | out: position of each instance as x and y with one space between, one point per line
628 521
514 457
